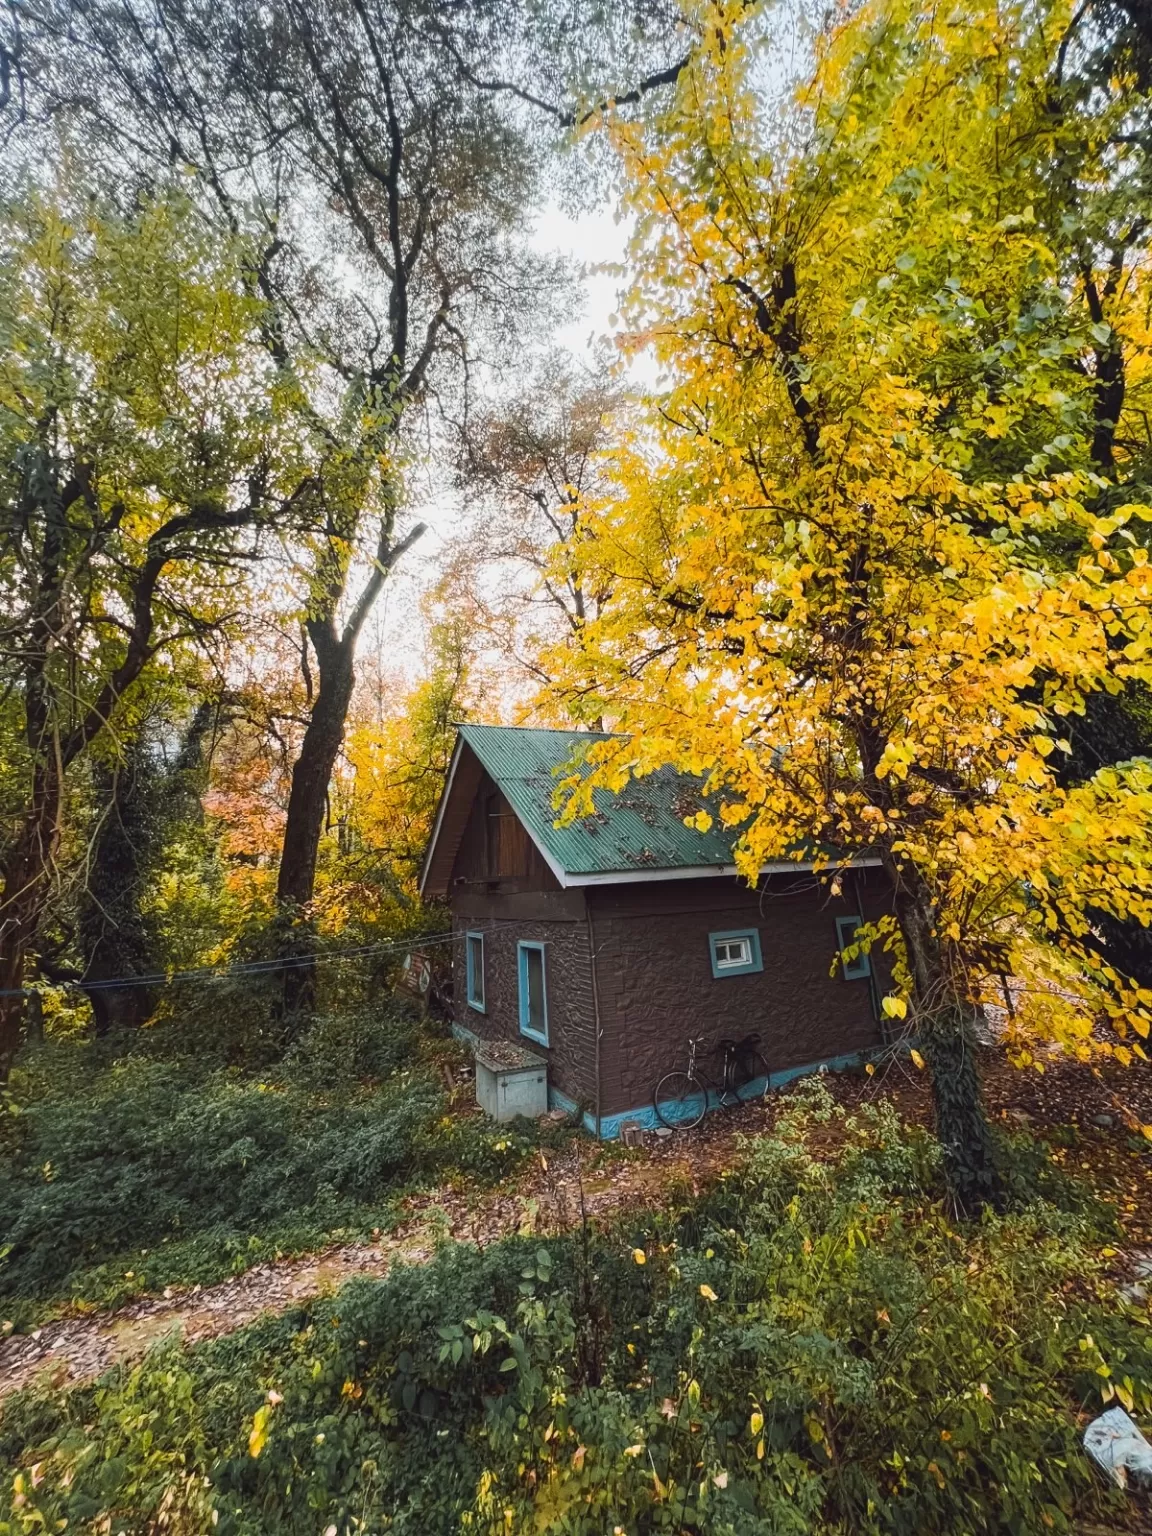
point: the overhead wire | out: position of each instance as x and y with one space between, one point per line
254 968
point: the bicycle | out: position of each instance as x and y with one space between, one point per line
681 1099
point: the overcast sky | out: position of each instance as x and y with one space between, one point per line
591 241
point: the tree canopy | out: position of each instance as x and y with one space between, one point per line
885 532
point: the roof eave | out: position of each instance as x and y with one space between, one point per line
445 795
705 871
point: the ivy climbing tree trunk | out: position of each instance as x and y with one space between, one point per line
943 1021
26 874
142 805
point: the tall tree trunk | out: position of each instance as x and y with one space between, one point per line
26 874
1112 729
307 805
944 1022
335 650
312 771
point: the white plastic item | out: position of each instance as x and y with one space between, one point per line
1115 1443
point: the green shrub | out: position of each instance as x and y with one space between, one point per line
814 1347
144 1171
146 1155
356 1046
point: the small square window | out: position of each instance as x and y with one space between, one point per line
735 954
860 967
474 968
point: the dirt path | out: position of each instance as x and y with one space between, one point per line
77 1349
1099 1106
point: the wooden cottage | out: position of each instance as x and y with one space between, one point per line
605 944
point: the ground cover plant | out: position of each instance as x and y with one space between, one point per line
814 1346
151 1164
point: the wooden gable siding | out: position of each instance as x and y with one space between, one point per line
455 809
496 851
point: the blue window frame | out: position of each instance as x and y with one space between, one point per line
736 952
474 969
533 991
861 966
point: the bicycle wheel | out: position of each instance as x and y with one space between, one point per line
757 1075
680 1101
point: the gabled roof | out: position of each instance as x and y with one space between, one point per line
638 834
640 828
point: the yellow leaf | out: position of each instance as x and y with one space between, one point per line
258 1438
870 1068
756 1423
917 1059
708 1293
895 1007
639 1255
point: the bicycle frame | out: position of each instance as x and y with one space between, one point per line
726 1092
695 1092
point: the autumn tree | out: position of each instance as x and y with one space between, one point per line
383 154
864 564
398 753
148 444
528 466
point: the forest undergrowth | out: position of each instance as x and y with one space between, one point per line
180 1156
814 1345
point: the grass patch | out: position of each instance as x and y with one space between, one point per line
136 1171
816 1346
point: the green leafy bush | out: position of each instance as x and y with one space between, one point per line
145 1171
814 1347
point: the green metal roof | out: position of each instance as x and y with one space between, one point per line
641 828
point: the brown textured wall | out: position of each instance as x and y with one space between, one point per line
656 985
556 919
654 975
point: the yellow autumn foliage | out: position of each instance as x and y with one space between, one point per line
877 541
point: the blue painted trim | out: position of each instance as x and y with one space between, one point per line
465 1035
558 1100
755 964
522 949
645 1115
851 970
470 973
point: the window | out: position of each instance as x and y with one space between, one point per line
533 992
861 966
474 965
735 954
